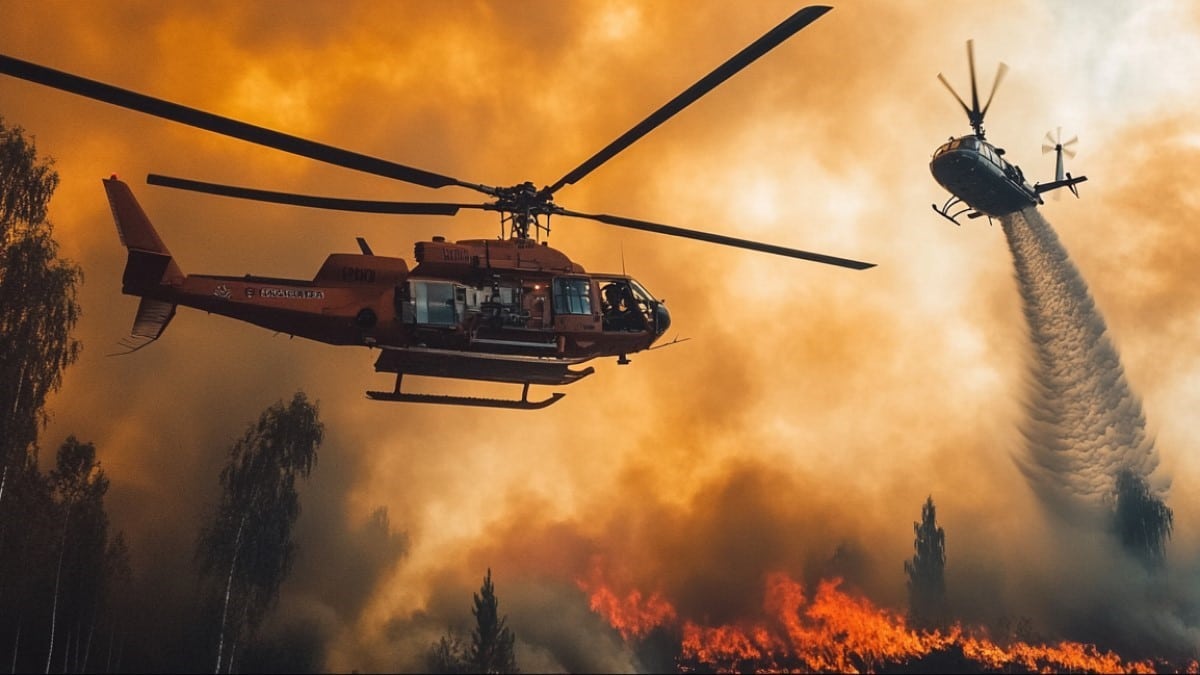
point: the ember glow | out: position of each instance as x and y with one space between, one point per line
836 631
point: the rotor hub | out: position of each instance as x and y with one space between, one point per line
522 207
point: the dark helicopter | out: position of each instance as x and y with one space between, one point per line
510 310
980 181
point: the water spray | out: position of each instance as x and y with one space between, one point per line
1085 426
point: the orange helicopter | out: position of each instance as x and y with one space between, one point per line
510 310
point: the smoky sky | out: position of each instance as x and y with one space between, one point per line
812 410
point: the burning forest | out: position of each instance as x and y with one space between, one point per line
832 630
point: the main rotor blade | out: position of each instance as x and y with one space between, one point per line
971 63
225 126
955 94
717 239
761 46
1000 71
332 203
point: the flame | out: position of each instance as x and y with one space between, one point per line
632 614
835 631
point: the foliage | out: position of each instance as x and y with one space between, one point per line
60 570
926 570
1141 520
449 656
491 648
491 641
38 307
246 550
63 572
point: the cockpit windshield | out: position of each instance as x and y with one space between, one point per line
963 143
625 304
640 291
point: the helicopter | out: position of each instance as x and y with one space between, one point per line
510 310
980 180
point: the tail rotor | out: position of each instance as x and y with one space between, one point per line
1054 143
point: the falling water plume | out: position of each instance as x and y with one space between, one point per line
1085 426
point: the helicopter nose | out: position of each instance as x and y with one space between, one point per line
662 318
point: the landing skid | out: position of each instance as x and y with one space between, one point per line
944 210
523 404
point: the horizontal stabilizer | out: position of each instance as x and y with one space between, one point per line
151 320
1068 182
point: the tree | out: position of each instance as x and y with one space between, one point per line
449 656
926 570
491 648
246 550
491 641
79 485
38 307
1141 520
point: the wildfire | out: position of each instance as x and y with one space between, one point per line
836 632
632 615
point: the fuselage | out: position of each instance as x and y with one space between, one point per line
976 172
501 297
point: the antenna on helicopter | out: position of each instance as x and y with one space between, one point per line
975 114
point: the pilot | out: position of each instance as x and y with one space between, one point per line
620 311
615 316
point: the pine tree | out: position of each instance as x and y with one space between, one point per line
926 570
491 641
491 648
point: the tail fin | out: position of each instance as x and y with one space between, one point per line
150 263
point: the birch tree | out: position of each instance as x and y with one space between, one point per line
246 549
38 307
79 486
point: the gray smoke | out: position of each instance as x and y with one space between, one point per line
1084 425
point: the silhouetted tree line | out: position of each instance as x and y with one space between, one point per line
63 573
66 587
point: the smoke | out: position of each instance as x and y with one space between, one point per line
1084 424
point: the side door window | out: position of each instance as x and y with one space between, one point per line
573 295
